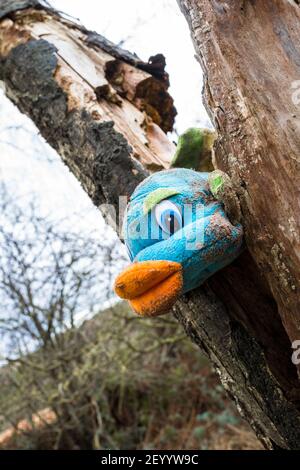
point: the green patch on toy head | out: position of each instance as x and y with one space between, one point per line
156 196
216 184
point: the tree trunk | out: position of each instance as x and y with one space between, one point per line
106 113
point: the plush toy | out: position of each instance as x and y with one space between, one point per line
181 226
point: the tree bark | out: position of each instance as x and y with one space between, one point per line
106 113
256 46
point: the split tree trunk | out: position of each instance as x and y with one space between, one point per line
106 113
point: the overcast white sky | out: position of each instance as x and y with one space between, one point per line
147 27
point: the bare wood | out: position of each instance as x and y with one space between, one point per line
81 71
88 99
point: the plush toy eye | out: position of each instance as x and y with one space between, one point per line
168 217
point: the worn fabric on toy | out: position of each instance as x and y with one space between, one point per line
177 235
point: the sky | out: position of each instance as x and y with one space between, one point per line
146 27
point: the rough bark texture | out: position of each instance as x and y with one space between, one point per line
250 53
99 107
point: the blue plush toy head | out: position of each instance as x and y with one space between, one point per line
177 236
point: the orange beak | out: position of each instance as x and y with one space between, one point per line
152 287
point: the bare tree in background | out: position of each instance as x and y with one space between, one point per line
106 113
50 280
49 276
73 374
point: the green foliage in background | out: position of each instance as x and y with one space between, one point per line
117 382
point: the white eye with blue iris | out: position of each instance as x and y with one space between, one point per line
168 217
